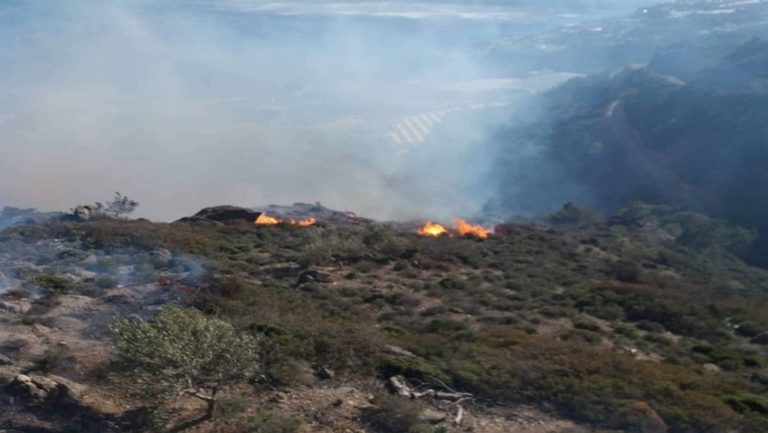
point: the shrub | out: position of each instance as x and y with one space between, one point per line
273 422
182 352
392 414
573 214
54 284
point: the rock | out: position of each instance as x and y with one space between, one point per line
46 388
432 416
7 375
312 275
11 307
227 214
90 260
4 360
83 213
161 255
199 221
324 373
711 368
760 339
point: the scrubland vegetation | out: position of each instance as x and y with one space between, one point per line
633 323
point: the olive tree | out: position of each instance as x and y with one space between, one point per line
119 205
182 352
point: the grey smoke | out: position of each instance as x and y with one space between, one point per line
181 105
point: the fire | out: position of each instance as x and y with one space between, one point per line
264 219
464 228
433 230
305 222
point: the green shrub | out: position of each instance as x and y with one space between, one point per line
54 284
392 414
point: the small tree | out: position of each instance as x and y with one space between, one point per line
182 352
119 206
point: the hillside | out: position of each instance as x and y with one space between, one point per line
660 134
643 322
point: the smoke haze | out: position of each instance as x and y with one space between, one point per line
376 107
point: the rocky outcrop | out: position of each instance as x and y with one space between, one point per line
223 214
312 275
46 389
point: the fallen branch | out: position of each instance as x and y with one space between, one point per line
402 388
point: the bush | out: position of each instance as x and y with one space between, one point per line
53 284
392 414
182 352
573 214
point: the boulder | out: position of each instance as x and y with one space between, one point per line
19 306
432 416
311 275
83 213
46 388
161 255
227 214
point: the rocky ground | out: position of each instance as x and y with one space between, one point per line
572 325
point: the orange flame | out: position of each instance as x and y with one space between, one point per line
305 222
264 219
466 229
432 230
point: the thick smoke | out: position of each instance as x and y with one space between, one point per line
186 104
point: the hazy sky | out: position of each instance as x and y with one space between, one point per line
185 104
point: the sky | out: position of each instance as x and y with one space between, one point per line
182 105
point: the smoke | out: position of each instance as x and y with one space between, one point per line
182 105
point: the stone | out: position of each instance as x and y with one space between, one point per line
312 275
228 214
432 416
46 388
4 360
711 368
324 373
161 255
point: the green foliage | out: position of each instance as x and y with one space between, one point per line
745 403
391 414
118 206
182 352
471 310
52 359
573 214
52 284
700 232
273 422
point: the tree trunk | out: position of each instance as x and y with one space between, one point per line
210 402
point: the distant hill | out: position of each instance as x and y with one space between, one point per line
643 134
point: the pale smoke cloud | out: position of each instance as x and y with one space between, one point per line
184 106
